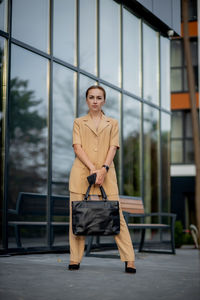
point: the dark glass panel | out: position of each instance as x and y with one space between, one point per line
2 120
150 65
28 144
176 53
131 146
131 53
151 162
64 97
64 35
3 14
88 36
165 72
177 124
110 68
189 152
30 22
165 161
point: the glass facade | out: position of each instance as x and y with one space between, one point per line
58 49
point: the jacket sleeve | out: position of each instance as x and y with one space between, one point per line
114 139
76 134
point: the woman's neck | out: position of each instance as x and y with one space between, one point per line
95 115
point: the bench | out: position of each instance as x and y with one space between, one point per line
133 207
31 210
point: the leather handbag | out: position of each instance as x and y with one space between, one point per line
90 217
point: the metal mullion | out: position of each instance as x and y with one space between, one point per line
98 38
30 48
50 119
159 131
6 135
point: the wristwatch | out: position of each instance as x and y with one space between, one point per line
106 167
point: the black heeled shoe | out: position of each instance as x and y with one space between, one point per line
73 267
129 269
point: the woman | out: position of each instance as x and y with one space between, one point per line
95 141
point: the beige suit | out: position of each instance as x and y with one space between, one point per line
96 145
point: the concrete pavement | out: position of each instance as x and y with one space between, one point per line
46 277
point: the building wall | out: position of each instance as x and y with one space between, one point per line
50 53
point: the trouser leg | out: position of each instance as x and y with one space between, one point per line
123 239
77 243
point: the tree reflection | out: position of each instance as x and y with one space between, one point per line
27 141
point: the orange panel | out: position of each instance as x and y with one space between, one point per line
182 101
193 29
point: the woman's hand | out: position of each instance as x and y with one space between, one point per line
101 173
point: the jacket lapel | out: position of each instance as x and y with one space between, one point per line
102 125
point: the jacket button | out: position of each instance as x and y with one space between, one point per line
95 149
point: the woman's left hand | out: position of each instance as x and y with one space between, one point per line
101 173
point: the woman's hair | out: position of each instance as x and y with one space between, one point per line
96 87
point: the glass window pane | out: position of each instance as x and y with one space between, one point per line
131 146
28 141
176 53
176 80
30 22
150 64
88 36
131 53
165 161
64 35
194 52
177 124
84 83
64 98
165 72
189 152
151 163
188 125
3 15
176 151
3 72
110 68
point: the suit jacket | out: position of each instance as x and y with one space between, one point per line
96 144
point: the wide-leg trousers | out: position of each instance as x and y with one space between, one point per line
123 239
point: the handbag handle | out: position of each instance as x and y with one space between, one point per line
103 193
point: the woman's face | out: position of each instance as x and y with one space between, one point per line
95 100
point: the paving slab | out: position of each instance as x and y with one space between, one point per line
46 277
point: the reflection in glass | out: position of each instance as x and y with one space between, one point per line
88 36
63 115
2 120
176 151
165 162
131 146
150 64
131 53
28 137
177 124
189 151
165 72
84 83
3 14
64 35
151 163
110 68
30 22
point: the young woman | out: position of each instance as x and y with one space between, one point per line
95 141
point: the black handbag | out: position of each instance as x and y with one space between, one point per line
90 217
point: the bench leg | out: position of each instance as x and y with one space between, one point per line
172 239
18 236
89 245
142 240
